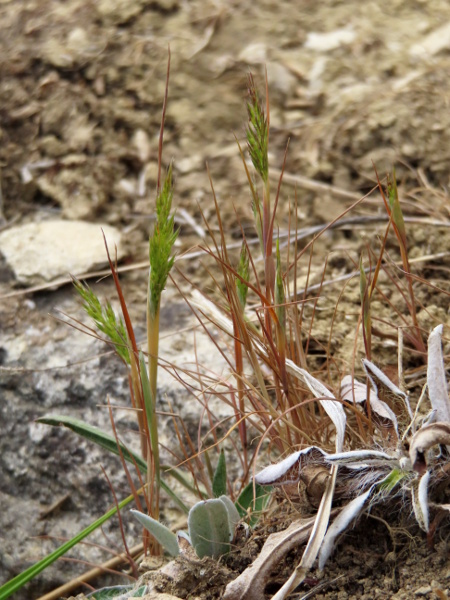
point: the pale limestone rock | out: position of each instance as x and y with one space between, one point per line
325 42
41 252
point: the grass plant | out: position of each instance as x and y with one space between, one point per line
350 443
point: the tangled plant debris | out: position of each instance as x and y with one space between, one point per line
414 462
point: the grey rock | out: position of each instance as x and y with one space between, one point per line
41 252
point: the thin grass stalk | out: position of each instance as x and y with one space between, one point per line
301 357
133 353
119 516
366 319
161 262
124 463
195 455
244 336
189 458
153 464
393 208
205 392
365 297
257 142
242 290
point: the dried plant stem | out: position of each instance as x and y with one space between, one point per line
113 563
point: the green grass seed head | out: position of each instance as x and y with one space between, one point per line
257 132
161 243
105 319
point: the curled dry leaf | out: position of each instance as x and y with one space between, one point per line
341 522
303 472
251 583
332 407
424 439
361 459
420 500
355 391
289 470
387 391
315 539
437 385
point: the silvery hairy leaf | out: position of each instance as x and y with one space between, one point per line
355 391
420 500
362 459
437 385
385 389
332 407
341 522
209 526
160 532
424 439
288 470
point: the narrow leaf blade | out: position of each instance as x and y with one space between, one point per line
255 501
107 441
437 385
342 521
219 484
93 434
160 532
420 501
332 407
20 580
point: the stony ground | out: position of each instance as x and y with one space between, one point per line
81 91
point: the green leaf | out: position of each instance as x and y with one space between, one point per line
392 480
150 411
397 213
233 515
107 441
244 272
20 580
209 528
119 592
93 434
219 483
160 532
256 503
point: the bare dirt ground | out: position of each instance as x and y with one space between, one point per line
81 90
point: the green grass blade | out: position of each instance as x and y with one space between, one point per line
219 483
256 503
107 441
150 411
119 591
93 434
20 580
244 272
